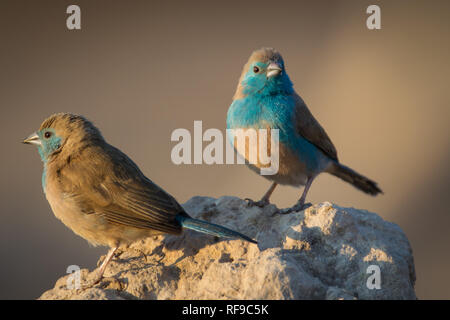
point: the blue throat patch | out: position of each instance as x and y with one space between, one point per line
49 146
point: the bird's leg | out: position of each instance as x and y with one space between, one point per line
106 261
301 202
264 200
101 270
268 194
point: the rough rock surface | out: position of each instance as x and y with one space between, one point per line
322 252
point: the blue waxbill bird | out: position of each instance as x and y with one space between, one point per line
265 99
100 193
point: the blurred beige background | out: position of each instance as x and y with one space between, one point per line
141 69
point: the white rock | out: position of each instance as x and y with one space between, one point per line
322 252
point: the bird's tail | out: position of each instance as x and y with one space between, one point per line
210 228
358 181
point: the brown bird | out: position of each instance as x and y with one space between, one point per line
100 193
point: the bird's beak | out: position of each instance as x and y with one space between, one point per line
273 69
33 139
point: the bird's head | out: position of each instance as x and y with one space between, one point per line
264 74
63 133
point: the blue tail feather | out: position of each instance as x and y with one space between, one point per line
211 228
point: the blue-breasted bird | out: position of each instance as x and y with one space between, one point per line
265 99
100 193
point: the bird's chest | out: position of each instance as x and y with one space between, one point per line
296 155
62 206
67 210
259 126
275 111
263 114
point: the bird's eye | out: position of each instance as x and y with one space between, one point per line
47 135
255 69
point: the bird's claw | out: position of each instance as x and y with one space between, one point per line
92 282
296 208
261 203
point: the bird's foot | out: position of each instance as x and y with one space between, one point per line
98 280
92 281
296 208
118 253
261 203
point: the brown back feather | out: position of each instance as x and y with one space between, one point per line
309 128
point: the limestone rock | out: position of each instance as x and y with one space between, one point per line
323 252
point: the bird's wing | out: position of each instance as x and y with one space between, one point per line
106 182
310 129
